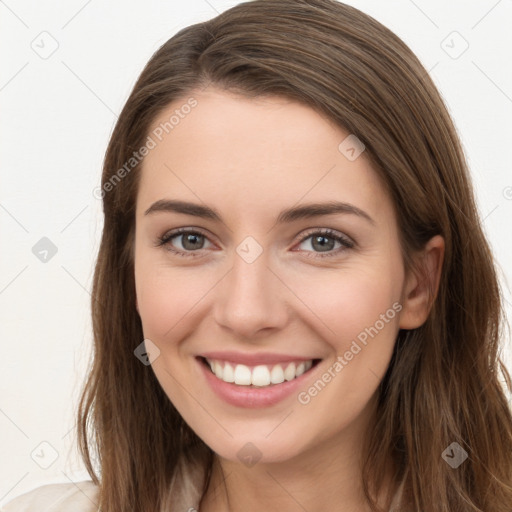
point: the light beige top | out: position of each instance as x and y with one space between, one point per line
82 496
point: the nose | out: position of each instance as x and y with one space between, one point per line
251 299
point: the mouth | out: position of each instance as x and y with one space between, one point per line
257 376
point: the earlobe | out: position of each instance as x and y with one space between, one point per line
420 288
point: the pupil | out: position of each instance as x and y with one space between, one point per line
323 245
191 238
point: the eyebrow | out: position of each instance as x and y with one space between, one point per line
305 211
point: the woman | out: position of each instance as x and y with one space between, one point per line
294 304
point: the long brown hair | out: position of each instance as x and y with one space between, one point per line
443 382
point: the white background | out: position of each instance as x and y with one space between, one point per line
57 116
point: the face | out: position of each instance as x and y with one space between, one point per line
300 306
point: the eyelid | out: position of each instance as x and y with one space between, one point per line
334 233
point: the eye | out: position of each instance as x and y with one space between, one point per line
191 241
324 240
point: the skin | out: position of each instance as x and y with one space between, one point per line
249 159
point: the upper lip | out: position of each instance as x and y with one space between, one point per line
254 359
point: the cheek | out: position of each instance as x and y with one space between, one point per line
161 303
346 302
159 297
361 313
167 297
362 306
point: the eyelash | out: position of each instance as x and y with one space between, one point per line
345 242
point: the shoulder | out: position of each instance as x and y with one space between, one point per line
66 497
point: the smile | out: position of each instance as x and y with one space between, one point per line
260 375
255 380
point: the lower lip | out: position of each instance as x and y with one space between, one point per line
253 396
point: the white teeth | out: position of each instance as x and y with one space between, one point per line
300 369
277 375
242 375
229 374
217 369
260 375
289 373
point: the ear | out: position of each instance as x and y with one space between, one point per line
421 286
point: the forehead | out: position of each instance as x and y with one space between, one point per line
251 154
